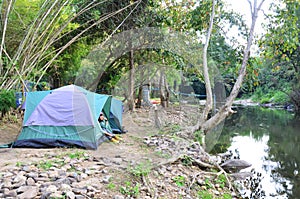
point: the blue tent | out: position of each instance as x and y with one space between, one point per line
67 117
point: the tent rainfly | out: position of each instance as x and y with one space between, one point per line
67 117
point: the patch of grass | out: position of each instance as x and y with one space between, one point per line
141 169
77 155
205 195
227 196
111 186
19 164
187 161
199 137
208 184
162 154
221 180
175 128
179 180
45 165
130 190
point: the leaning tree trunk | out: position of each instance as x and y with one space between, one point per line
226 109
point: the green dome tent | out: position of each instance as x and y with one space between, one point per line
67 117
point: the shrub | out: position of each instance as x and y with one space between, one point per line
280 97
7 101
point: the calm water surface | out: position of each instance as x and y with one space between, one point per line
270 141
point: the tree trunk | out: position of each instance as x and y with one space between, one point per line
209 102
295 98
131 82
140 96
146 95
164 91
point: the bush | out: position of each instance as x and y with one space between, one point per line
280 97
266 96
7 101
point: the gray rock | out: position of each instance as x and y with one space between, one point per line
19 178
234 165
117 161
65 188
30 182
42 179
83 175
79 197
70 195
26 168
106 179
43 175
62 172
45 195
72 174
32 175
32 192
91 194
53 174
8 174
51 189
79 191
22 182
7 183
10 193
87 171
67 160
241 175
91 188
118 197
63 180
56 194
23 189
5 191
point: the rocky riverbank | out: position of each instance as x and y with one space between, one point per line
78 174
148 163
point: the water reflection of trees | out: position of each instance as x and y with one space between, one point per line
284 137
284 148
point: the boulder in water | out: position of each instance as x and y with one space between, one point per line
235 165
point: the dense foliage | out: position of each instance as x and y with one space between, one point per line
280 52
47 41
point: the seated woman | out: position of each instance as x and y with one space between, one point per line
106 127
104 123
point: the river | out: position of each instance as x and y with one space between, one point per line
270 140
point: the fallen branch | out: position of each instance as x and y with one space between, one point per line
200 163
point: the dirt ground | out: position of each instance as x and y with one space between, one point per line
139 124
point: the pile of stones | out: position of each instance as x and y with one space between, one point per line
55 177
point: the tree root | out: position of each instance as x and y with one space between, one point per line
222 171
200 164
